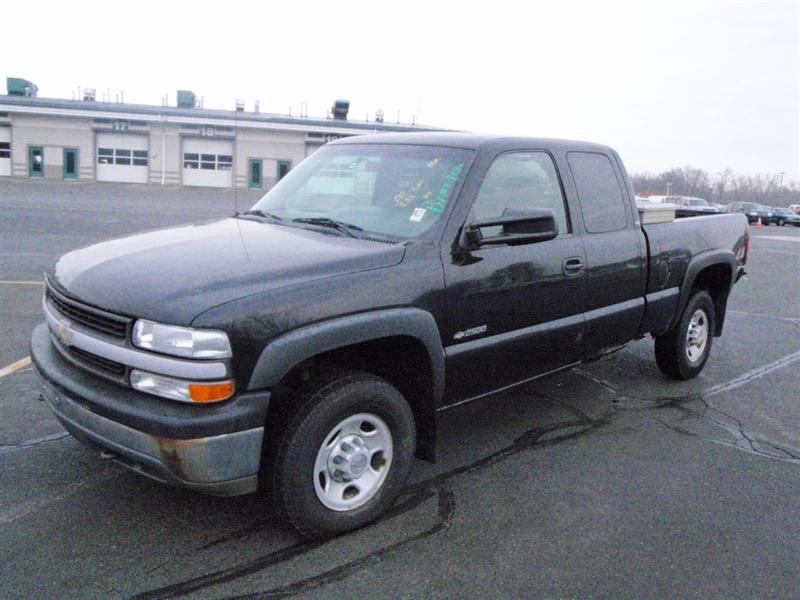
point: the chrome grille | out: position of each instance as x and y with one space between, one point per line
88 316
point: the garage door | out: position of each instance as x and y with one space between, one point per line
5 151
122 157
208 162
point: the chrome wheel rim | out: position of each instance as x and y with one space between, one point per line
353 462
697 336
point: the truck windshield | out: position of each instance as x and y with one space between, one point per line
395 191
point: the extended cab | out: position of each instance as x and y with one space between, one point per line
310 344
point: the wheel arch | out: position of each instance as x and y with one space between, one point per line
712 271
401 345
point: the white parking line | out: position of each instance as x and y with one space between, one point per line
27 507
765 316
751 375
779 238
15 366
779 252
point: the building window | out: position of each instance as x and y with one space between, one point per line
122 156
5 149
191 160
284 166
224 162
36 161
207 162
140 158
105 156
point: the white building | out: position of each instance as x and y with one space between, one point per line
162 145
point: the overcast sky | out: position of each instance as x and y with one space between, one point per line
707 84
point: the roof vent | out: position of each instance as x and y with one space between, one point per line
239 105
379 115
89 94
340 109
186 99
20 87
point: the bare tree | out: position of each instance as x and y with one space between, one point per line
724 187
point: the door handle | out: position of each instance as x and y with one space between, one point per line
572 266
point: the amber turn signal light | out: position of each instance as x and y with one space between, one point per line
210 392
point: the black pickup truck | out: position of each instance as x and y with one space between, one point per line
311 343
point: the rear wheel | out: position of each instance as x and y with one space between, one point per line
344 453
781 223
682 352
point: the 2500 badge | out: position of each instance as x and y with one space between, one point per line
470 332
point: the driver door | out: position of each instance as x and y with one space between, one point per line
514 311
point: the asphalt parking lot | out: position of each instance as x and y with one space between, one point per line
607 481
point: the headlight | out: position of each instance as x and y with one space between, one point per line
178 389
181 341
753 214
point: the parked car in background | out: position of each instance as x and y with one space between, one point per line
785 216
795 208
752 211
692 207
766 213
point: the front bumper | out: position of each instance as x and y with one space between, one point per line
152 436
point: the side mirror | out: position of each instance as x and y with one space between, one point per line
519 227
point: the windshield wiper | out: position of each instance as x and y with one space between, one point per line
346 228
261 213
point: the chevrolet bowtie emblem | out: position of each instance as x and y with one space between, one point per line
63 334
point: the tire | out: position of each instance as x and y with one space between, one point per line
675 356
363 408
781 223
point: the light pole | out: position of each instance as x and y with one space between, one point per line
669 187
780 184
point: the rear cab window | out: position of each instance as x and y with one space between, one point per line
600 194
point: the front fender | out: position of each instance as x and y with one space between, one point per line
290 349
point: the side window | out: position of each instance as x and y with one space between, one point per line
518 181
599 193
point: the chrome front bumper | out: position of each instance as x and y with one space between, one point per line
222 465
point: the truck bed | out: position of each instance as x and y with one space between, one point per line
672 246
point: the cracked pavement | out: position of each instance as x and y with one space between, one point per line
605 481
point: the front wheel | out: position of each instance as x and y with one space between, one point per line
781 223
344 454
682 352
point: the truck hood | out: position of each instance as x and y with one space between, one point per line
172 275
